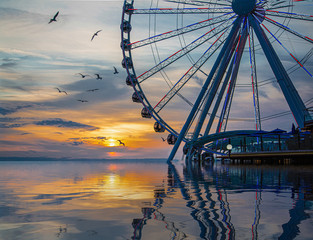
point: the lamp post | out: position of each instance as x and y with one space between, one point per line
229 148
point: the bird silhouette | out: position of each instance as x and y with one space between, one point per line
54 19
60 91
98 76
95 34
121 143
83 76
82 100
92 90
115 70
163 139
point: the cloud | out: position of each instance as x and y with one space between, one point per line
14 125
87 140
9 120
22 54
76 143
25 133
8 63
12 122
6 111
58 122
200 81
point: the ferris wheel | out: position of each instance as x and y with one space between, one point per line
190 62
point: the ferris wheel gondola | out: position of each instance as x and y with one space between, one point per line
215 39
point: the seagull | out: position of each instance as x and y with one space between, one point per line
121 143
98 76
92 90
115 70
54 19
61 91
83 76
163 139
95 34
82 100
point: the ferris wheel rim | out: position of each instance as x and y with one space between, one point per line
139 91
137 87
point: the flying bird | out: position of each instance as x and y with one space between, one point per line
54 19
83 76
98 76
115 70
163 139
82 100
95 34
92 90
60 91
121 143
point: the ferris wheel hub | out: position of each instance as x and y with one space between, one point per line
243 7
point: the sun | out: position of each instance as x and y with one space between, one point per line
114 154
112 142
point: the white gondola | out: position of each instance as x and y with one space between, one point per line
127 62
125 44
126 27
136 98
145 113
130 80
129 8
158 127
171 139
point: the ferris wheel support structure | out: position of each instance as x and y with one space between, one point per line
218 33
291 95
226 48
294 101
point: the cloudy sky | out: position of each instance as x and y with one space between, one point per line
36 58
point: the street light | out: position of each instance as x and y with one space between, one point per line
229 148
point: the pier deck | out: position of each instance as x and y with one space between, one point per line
299 155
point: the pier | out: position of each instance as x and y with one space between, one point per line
271 157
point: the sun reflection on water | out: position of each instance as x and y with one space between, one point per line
122 200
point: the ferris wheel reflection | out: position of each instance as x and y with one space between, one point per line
208 193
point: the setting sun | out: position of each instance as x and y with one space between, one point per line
112 143
113 154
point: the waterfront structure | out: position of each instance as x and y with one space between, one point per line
227 30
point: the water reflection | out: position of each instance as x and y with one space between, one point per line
154 200
213 224
216 222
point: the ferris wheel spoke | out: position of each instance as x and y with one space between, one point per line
278 7
228 3
183 30
188 75
277 3
300 64
289 15
187 2
199 10
180 53
199 2
217 76
254 82
310 40
230 79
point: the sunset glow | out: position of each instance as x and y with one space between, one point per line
87 117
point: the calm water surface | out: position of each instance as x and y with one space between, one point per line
153 200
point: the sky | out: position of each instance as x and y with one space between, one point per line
36 58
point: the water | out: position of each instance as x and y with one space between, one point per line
153 200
